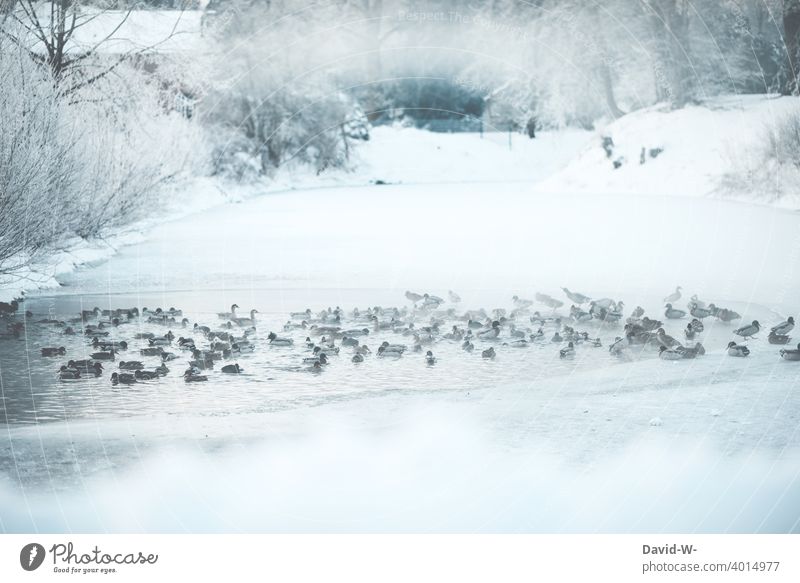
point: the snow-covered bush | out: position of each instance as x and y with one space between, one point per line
38 166
770 168
81 163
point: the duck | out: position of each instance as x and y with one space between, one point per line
637 313
348 341
737 349
275 340
774 338
386 347
521 302
68 374
518 343
357 357
232 369
467 346
453 297
791 354
192 375
665 339
123 378
784 327
697 326
690 332
576 297
229 315
60 351
567 352
491 333
152 351
413 296
669 354
429 358
319 357
107 345
748 331
244 322
699 312
146 375
674 296
556 338
692 352
489 353
673 313
548 301
130 365
725 314
110 355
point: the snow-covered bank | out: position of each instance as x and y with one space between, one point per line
392 155
687 152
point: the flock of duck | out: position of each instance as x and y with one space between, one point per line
145 356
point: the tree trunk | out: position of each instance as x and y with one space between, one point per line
791 30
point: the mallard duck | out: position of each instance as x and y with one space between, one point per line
674 296
669 354
690 332
191 375
697 326
784 327
491 333
106 345
110 355
232 369
692 352
413 296
665 339
275 340
673 313
791 354
468 346
68 374
429 358
357 357
123 378
489 353
60 351
699 312
130 365
567 352
146 375
152 351
737 349
778 338
748 331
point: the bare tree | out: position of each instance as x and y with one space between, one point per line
47 31
791 30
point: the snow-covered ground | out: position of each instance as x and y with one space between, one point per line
700 144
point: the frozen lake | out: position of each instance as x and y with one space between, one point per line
524 442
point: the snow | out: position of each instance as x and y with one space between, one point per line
118 32
701 143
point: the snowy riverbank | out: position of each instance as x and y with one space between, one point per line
701 147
